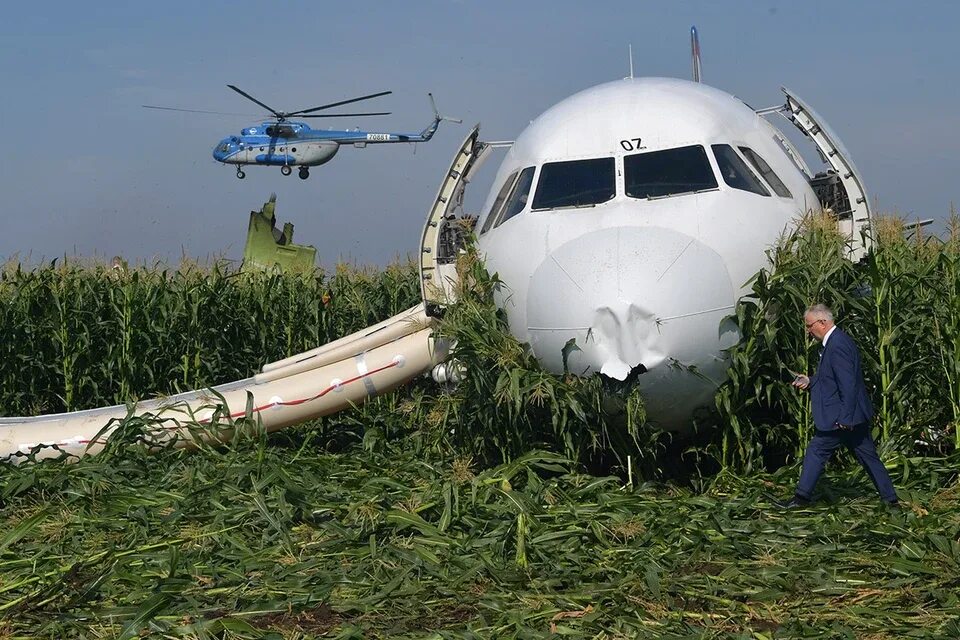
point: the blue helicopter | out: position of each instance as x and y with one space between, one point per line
287 144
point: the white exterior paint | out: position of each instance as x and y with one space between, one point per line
638 281
319 382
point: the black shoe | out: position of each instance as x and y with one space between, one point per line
796 502
893 505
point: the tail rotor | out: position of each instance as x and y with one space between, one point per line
436 114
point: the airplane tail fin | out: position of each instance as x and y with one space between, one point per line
427 133
695 53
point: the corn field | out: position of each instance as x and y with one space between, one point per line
902 306
514 504
297 536
79 336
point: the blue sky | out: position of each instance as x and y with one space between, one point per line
89 172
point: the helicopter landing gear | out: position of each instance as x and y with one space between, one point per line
240 174
286 170
304 173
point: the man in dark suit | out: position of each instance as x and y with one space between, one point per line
841 409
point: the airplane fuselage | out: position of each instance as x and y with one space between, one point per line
625 222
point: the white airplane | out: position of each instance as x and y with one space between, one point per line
624 222
626 219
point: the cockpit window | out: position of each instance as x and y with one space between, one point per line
670 172
576 183
498 203
735 171
764 170
517 200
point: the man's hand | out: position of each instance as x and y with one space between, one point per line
801 381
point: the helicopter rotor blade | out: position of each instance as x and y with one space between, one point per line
217 113
344 115
337 104
250 97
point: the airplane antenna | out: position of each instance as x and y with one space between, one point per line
630 50
695 53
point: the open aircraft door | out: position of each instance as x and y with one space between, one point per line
444 235
840 188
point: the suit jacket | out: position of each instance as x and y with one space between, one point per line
837 391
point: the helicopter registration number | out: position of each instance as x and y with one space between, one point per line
379 137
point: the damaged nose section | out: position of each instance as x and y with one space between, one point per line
626 339
628 300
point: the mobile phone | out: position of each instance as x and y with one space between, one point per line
789 376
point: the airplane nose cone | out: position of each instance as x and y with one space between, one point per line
633 296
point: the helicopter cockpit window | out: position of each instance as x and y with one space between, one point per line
498 203
517 201
735 171
764 170
670 172
576 183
